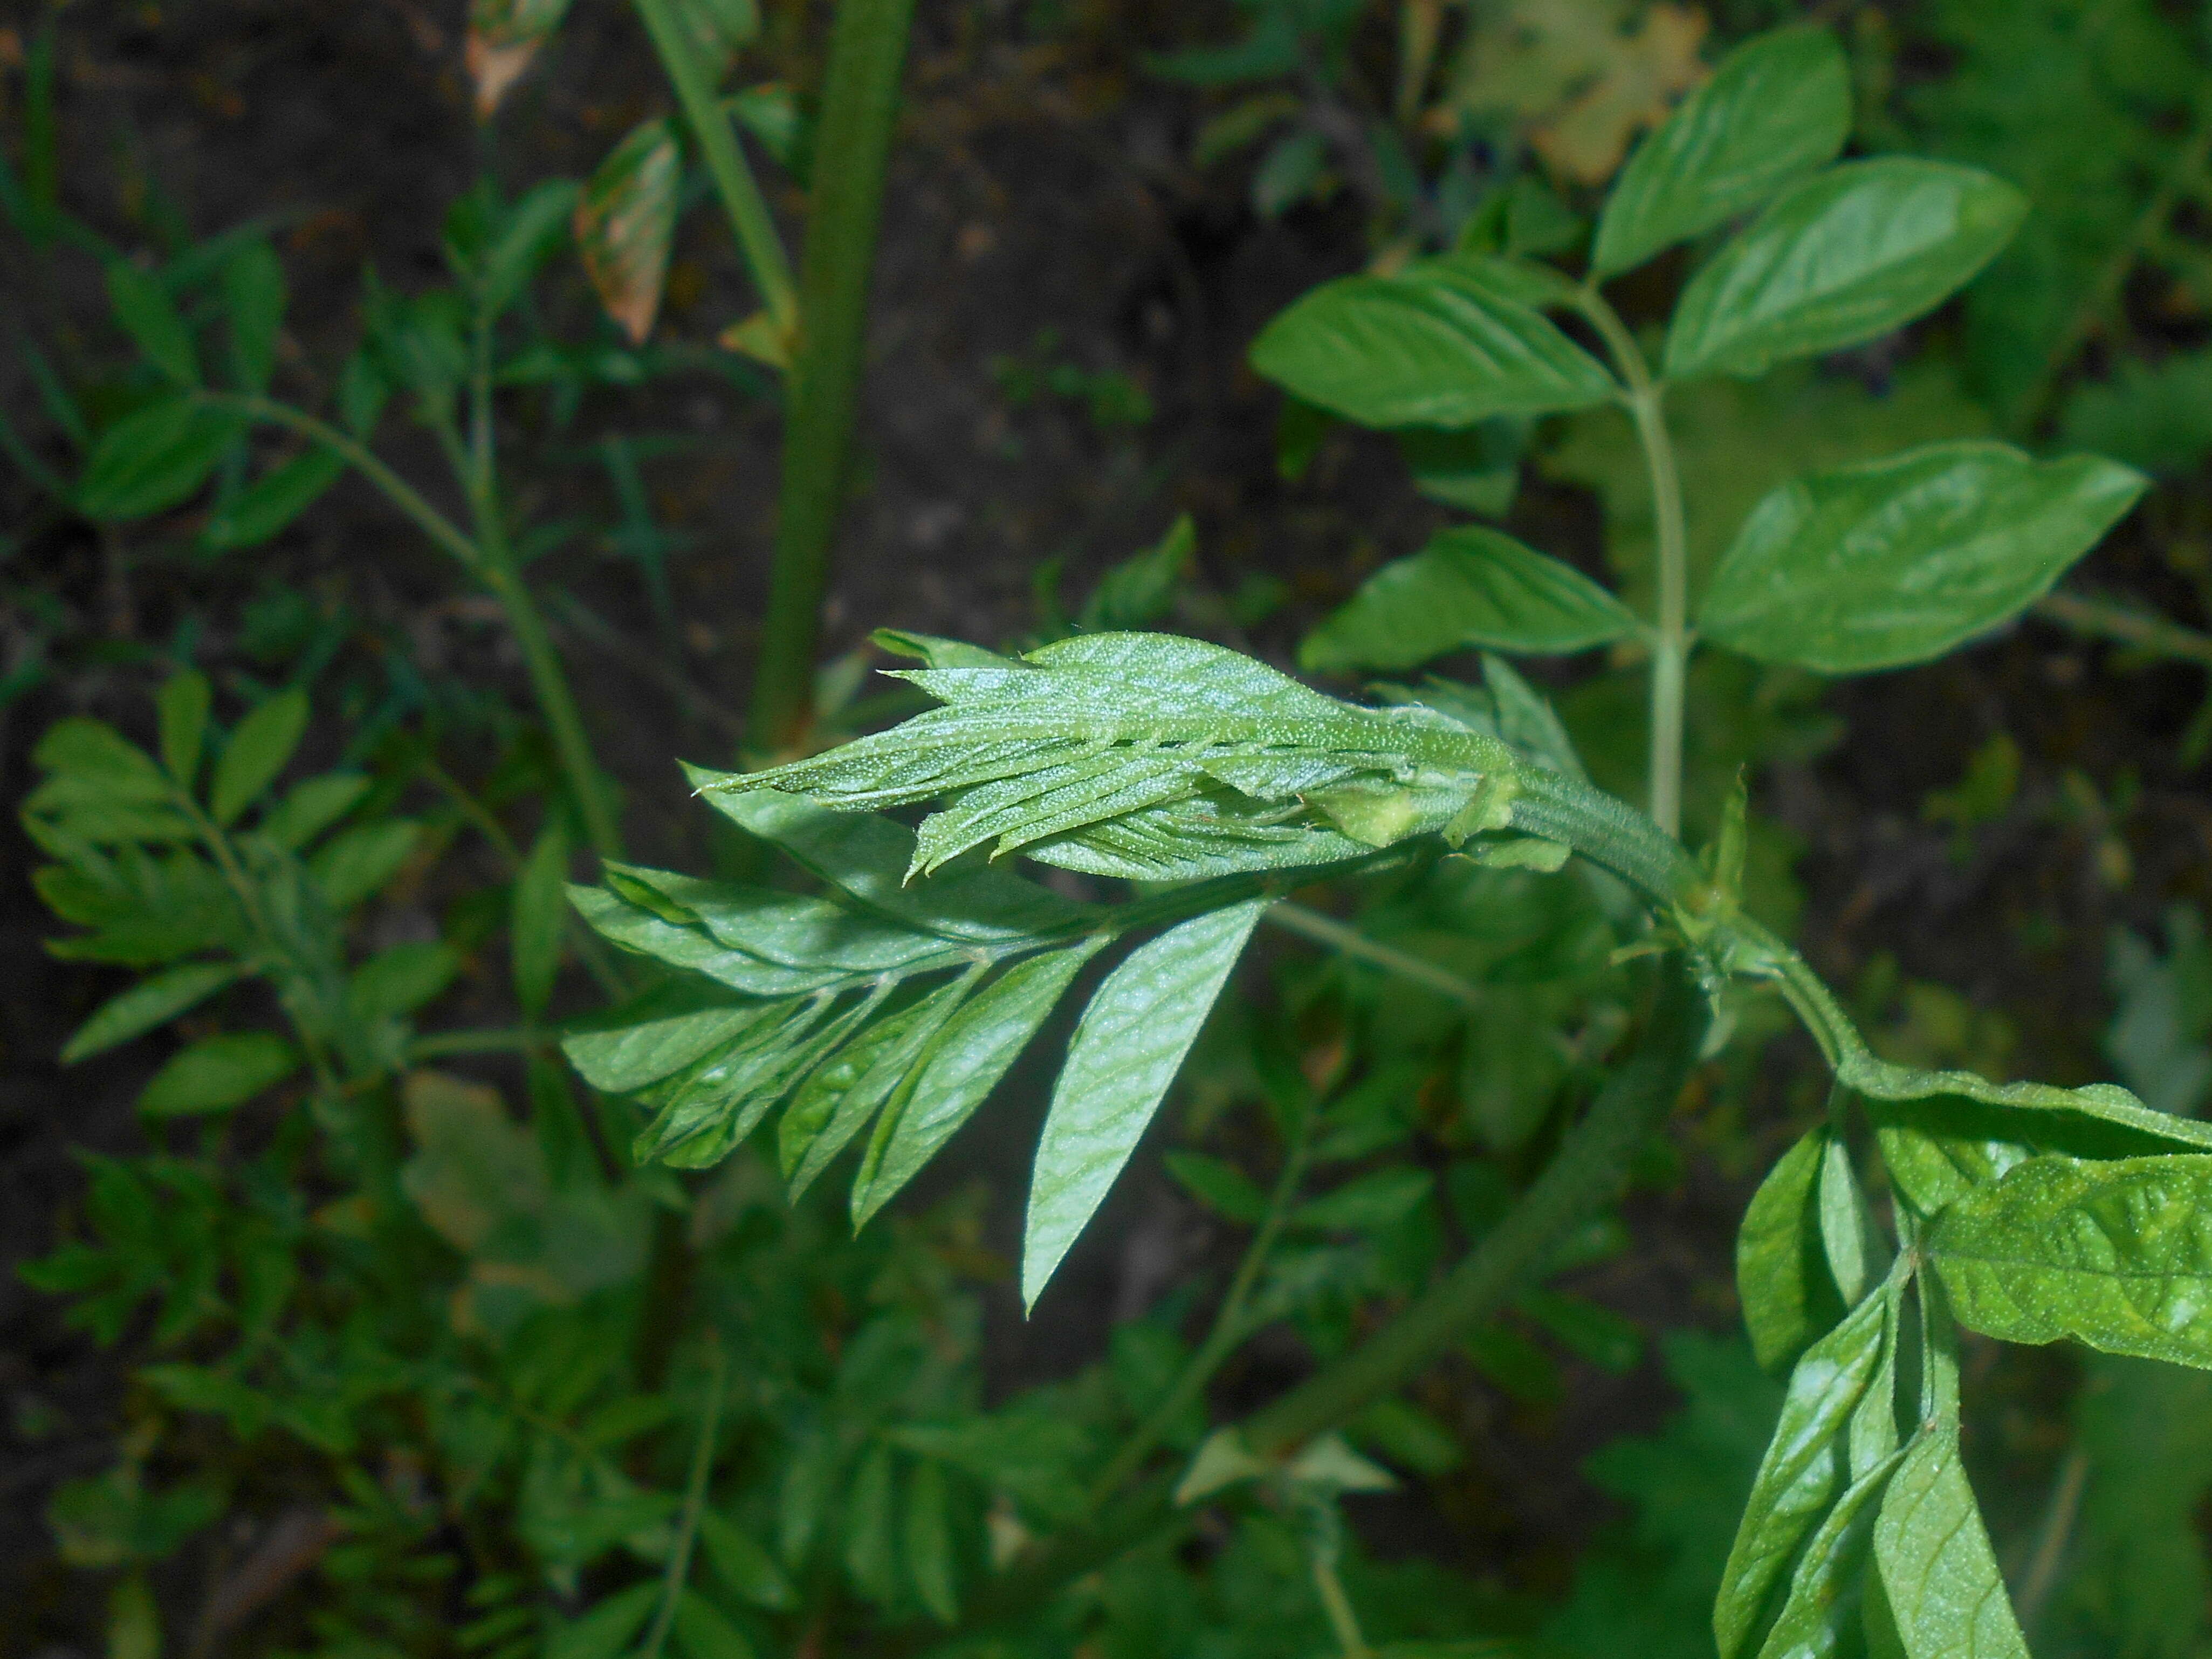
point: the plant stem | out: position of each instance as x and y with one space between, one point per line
1343 1622
1351 942
2112 619
717 139
695 1502
1585 1173
1229 1326
859 100
1670 645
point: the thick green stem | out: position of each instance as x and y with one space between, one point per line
717 138
1586 1173
1670 642
859 102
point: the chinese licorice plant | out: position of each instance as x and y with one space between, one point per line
884 1010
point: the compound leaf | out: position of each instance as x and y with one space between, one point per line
1469 586
1126 1053
1901 559
1778 106
2117 1254
1838 259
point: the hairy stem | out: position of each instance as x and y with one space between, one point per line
860 102
717 138
1671 641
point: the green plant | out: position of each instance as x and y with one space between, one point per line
891 1008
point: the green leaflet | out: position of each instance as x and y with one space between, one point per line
1856 1255
253 305
1842 257
638 930
1806 1466
273 501
537 912
1468 586
1405 351
870 1527
928 1540
868 857
1782 1278
151 1002
1901 559
977 1047
2117 1254
1778 106
655 1034
258 750
1821 1614
155 458
809 934
1941 1589
836 1102
182 705
704 1112
1126 1051
142 306
218 1073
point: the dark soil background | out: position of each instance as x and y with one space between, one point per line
1041 184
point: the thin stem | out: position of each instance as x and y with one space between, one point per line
1343 1622
1351 942
396 489
695 1503
2111 619
1229 1326
1671 641
2052 1537
860 103
725 157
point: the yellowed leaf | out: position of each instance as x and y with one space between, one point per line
1579 78
504 35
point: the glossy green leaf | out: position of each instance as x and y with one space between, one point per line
151 1002
2116 1254
928 1542
268 506
359 861
1940 1588
539 912
1393 352
1778 106
150 461
703 1630
182 707
1804 1469
703 1112
311 806
870 1528
655 1034
1781 1277
1856 1255
142 306
253 305
261 747
218 1073
1842 257
1901 560
1131 1042
977 1047
1469 586
625 222
744 1568
1823 1612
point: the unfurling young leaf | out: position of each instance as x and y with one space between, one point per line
625 221
1126 1051
258 750
1424 348
1778 106
1899 561
1469 586
1838 259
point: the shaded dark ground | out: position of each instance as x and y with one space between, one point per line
1040 184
